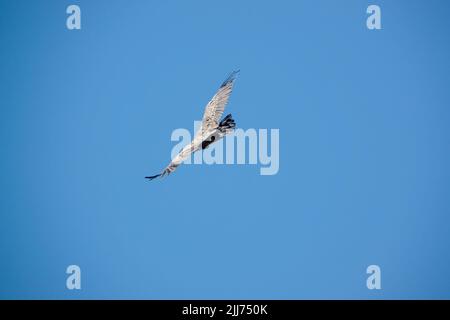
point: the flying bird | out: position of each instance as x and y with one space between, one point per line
211 129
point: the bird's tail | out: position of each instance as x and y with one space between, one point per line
227 124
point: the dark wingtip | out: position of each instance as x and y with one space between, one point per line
153 177
230 78
228 116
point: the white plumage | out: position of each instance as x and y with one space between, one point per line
211 129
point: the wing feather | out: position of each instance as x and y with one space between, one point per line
215 108
180 157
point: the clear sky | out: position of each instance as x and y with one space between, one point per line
364 150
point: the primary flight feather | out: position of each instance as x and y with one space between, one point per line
211 129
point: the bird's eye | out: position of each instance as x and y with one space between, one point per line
213 138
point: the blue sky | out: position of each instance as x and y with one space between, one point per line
364 150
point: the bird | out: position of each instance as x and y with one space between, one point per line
211 129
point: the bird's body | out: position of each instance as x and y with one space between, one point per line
211 129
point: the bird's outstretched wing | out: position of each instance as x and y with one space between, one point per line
214 109
183 155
